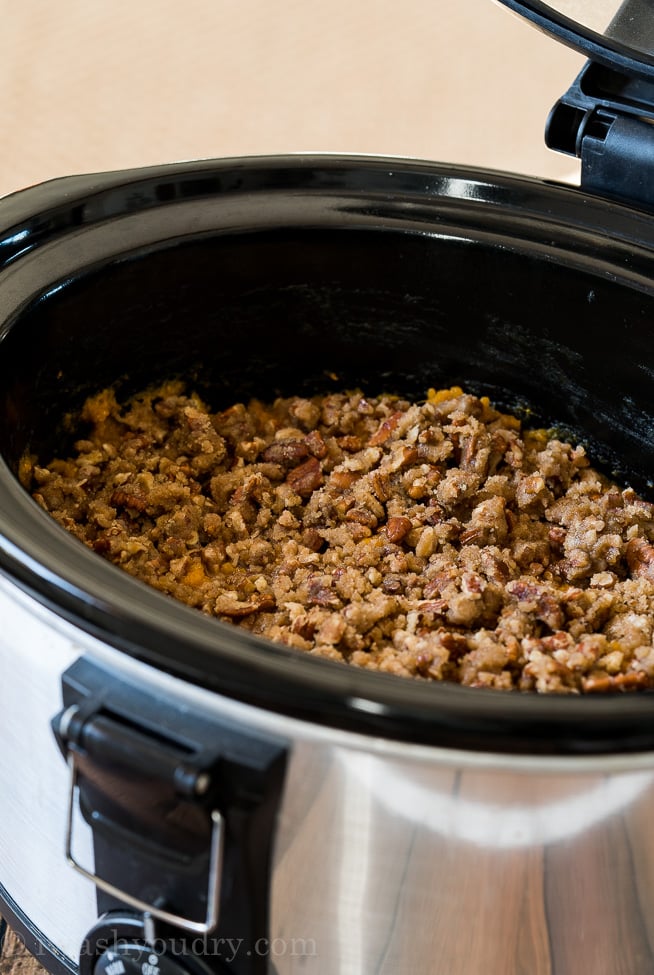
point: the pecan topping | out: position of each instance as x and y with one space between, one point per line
431 539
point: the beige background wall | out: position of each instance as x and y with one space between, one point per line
88 85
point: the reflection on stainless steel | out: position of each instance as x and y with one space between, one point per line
490 823
355 869
32 816
386 861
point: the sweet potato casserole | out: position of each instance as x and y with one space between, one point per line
435 540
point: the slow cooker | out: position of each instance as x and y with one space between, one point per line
180 797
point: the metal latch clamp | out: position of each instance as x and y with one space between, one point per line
152 910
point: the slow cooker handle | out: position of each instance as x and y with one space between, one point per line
150 910
182 808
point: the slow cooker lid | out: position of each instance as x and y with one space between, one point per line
619 35
605 118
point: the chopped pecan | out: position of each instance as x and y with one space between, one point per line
471 536
306 478
386 430
316 445
539 601
320 592
363 516
365 407
432 607
455 643
397 528
392 584
557 536
381 485
286 453
640 558
251 487
439 582
471 582
125 499
349 443
435 512
615 682
342 480
226 605
495 569
646 508
304 626
312 539
469 450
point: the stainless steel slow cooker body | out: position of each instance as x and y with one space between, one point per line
395 825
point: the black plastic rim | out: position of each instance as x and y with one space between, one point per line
53 567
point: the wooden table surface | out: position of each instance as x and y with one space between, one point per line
15 959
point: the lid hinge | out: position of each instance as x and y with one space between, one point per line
606 119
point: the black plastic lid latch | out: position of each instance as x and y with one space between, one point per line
606 119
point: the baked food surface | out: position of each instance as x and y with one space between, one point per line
435 540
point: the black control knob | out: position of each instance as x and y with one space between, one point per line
117 945
134 958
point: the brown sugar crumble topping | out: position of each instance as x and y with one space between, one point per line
434 540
